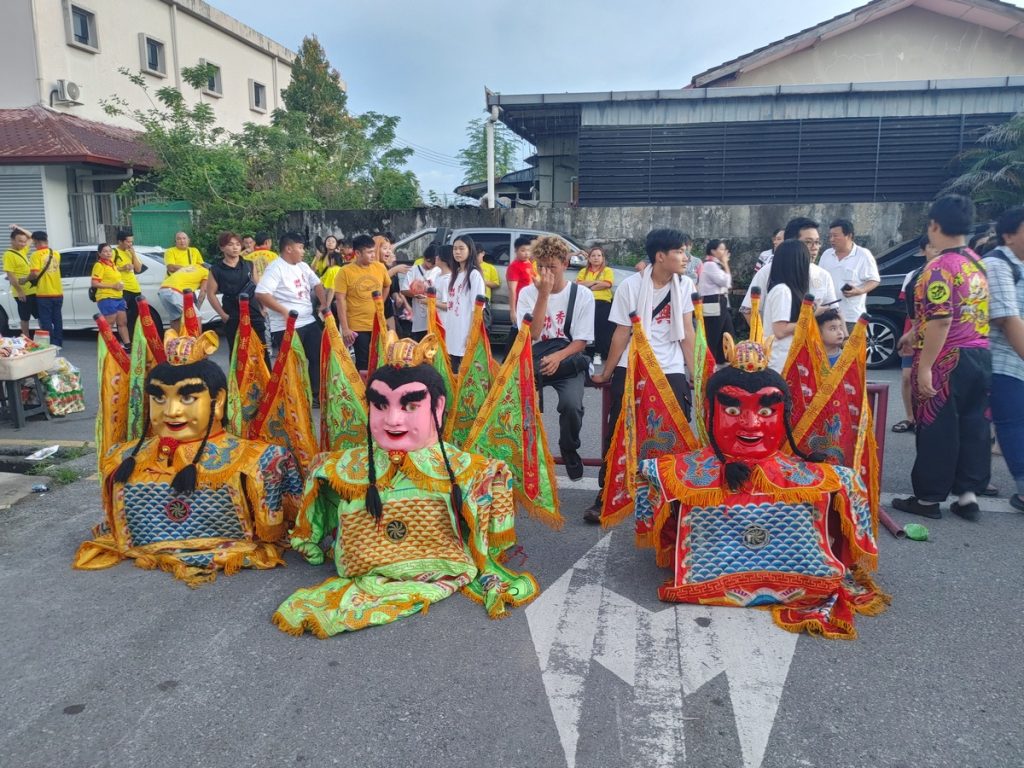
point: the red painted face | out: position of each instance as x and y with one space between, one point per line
749 425
400 418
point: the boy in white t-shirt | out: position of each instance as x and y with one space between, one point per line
548 303
662 295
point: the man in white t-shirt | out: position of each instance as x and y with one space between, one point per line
662 297
414 285
820 282
548 302
853 270
289 284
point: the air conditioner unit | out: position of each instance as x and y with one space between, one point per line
68 92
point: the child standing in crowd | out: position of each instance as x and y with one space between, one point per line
833 334
520 273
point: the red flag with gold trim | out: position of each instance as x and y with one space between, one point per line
191 325
248 377
651 424
806 366
838 422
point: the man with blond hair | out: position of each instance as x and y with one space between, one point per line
562 327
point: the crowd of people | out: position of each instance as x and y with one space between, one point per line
581 326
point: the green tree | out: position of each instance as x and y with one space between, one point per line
473 157
314 99
393 189
993 171
246 181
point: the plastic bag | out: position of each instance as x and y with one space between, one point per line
63 386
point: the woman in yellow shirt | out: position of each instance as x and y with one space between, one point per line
106 279
598 277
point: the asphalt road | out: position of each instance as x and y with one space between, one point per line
131 668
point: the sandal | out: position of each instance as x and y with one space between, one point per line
903 426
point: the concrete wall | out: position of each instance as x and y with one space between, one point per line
58 207
189 29
912 44
19 55
621 231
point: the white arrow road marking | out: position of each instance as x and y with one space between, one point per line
663 655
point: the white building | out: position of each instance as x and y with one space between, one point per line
61 156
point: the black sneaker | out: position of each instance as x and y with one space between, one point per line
573 465
915 507
969 512
1017 502
592 514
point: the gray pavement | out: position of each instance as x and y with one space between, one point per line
129 667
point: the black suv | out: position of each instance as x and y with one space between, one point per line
887 313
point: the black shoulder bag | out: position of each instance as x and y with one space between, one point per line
571 365
34 281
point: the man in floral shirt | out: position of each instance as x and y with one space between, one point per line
952 369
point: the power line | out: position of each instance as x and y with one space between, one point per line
426 149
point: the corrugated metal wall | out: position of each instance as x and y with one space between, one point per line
21 198
872 159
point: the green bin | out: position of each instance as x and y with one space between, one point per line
157 223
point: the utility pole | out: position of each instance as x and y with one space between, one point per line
491 120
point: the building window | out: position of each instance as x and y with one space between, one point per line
154 61
257 96
214 86
81 28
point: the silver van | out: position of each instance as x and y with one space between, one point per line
496 243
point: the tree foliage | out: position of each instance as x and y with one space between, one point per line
993 171
245 181
473 157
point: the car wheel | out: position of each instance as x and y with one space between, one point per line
883 336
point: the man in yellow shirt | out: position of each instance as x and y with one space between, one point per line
182 254
128 264
354 289
44 273
172 289
17 268
260 256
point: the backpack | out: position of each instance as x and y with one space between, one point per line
998 253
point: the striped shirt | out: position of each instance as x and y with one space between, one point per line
1006 299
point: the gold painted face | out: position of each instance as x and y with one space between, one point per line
182 411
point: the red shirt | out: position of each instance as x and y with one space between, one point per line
520 273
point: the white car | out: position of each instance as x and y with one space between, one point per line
75 271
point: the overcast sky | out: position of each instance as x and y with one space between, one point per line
428 61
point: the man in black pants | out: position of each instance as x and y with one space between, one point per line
952 369
662 297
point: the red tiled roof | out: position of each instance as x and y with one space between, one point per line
39 135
